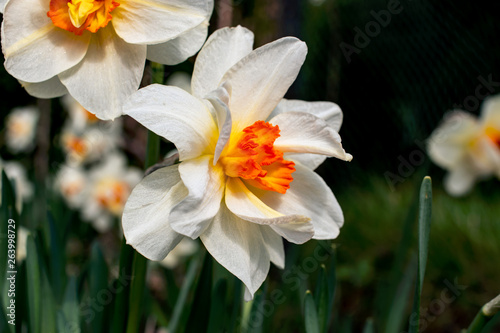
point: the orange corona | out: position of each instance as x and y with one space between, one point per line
251 155
112 194
494 135
79 15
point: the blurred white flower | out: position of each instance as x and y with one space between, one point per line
96 49
184 249
71 182
469 148
84 145
21 238
109 185
20 127
245 177
17 175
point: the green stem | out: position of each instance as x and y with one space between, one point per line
487 312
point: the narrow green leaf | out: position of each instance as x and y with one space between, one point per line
218 318
322 296
237 300
200 308
4 326
70 306
424 224
48 308
120 311
399 304
183 294
483 317
253 315
57 260
34 282
310 314
100 296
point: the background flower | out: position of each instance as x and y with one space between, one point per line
97 51
21 128
467 147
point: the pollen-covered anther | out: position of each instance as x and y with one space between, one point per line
251 155
79 15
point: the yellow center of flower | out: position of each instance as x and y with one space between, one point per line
112 194
494 135
251 156
79 15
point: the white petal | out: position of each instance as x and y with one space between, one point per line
490 112
2 5
447 146
110 72
312 161
309 195
274 244
459 181
145 217
242 202
157 21
261 79
205 184
328 111
47 89
219 99
180 48
34 48
224 48
305 133
175 115
238 246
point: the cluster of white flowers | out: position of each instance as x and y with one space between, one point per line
95 178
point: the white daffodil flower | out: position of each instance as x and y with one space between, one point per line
71 182
469 148
96 49
109 185
20 127
245 177
23 188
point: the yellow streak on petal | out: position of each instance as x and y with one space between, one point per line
22 43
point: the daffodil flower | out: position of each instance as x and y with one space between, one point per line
20 126
245 177
96 49
469 148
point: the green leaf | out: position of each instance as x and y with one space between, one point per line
424 225
322 297
200 308
57 259
70 306
485 315
120 314
310 314
34 282
48 308
396 314
218 318
100 296
183 294
253 314
369 327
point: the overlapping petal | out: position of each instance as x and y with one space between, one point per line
227 46
110 72
177 116
157 21
302 132
310 196
30 41
237 245
180 48
260 80
145 221
205 184
47 89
